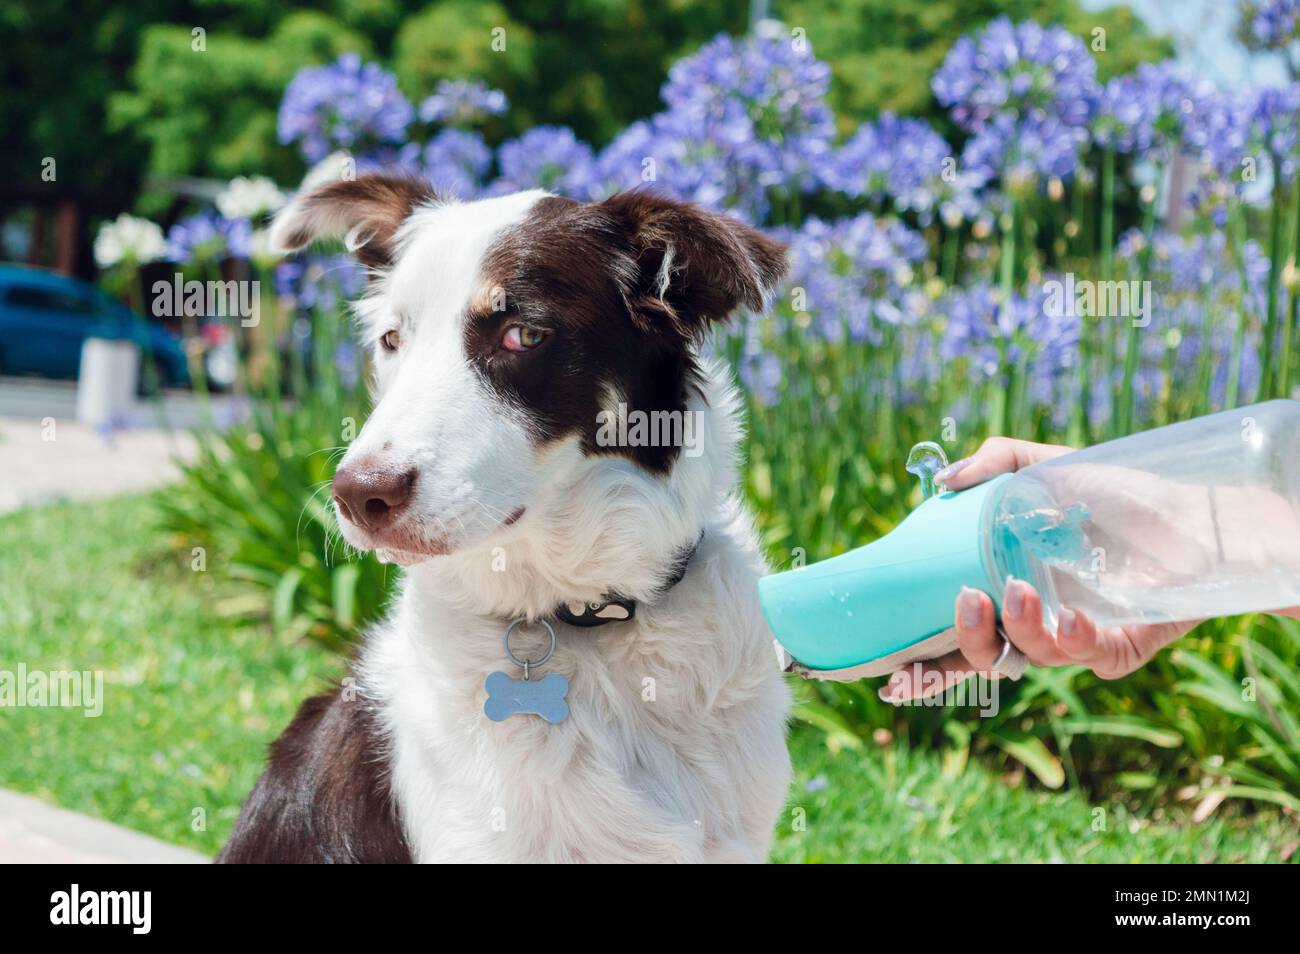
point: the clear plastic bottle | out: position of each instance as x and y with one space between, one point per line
1184 522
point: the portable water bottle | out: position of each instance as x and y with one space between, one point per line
1184 522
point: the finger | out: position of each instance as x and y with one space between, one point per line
997 455
929 678
1076 635
976 625
1110 653
1022 618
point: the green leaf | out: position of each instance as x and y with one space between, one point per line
345 580
1030 752
1284 799
282 602
829 721
1129 727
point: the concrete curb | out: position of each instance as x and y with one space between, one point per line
32 832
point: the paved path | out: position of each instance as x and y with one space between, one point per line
46 456
32 832
64 460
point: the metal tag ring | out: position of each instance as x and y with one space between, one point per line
528 664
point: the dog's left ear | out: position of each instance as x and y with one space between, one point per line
364 212
692 266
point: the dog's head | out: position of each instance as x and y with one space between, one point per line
508 328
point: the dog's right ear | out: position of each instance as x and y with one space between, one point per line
365 212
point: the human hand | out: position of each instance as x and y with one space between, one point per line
1111 652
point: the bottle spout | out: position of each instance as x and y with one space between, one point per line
925 461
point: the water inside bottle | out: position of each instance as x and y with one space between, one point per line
1115 569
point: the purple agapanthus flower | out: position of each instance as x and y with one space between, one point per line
745 118
462 103
663 152
854 277
546 157
1275 23
348 363
904 161
456 162
1200 297
1243 139
209 236
761 373
1218 132
1273 127
635 157
993 335
1150 111
347 105
1024 149
753 110
1025 92
319 281
1025 68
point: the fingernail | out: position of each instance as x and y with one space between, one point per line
1014 600
970 608
1069 624
953 469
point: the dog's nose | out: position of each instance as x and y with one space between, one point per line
370 497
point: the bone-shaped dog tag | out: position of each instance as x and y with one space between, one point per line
543 697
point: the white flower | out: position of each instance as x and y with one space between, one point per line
128 238
249 197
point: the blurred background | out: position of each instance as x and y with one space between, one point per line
173 398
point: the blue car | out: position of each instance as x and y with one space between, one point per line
45 318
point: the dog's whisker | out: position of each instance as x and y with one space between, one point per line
322 485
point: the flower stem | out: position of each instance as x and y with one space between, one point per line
1265 388
1007 275
1107 213
1238 244
951 246
1289 329
1124 424
1100 330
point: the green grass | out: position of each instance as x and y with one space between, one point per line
192 698
892 804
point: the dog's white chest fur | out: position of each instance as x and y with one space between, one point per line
674 749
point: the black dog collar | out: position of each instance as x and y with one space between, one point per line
618 609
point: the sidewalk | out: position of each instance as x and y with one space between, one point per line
32 832
47 457
43 464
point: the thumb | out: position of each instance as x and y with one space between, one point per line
997 455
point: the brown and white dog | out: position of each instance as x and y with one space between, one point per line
505 332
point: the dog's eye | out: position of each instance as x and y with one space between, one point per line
390 340
519 338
